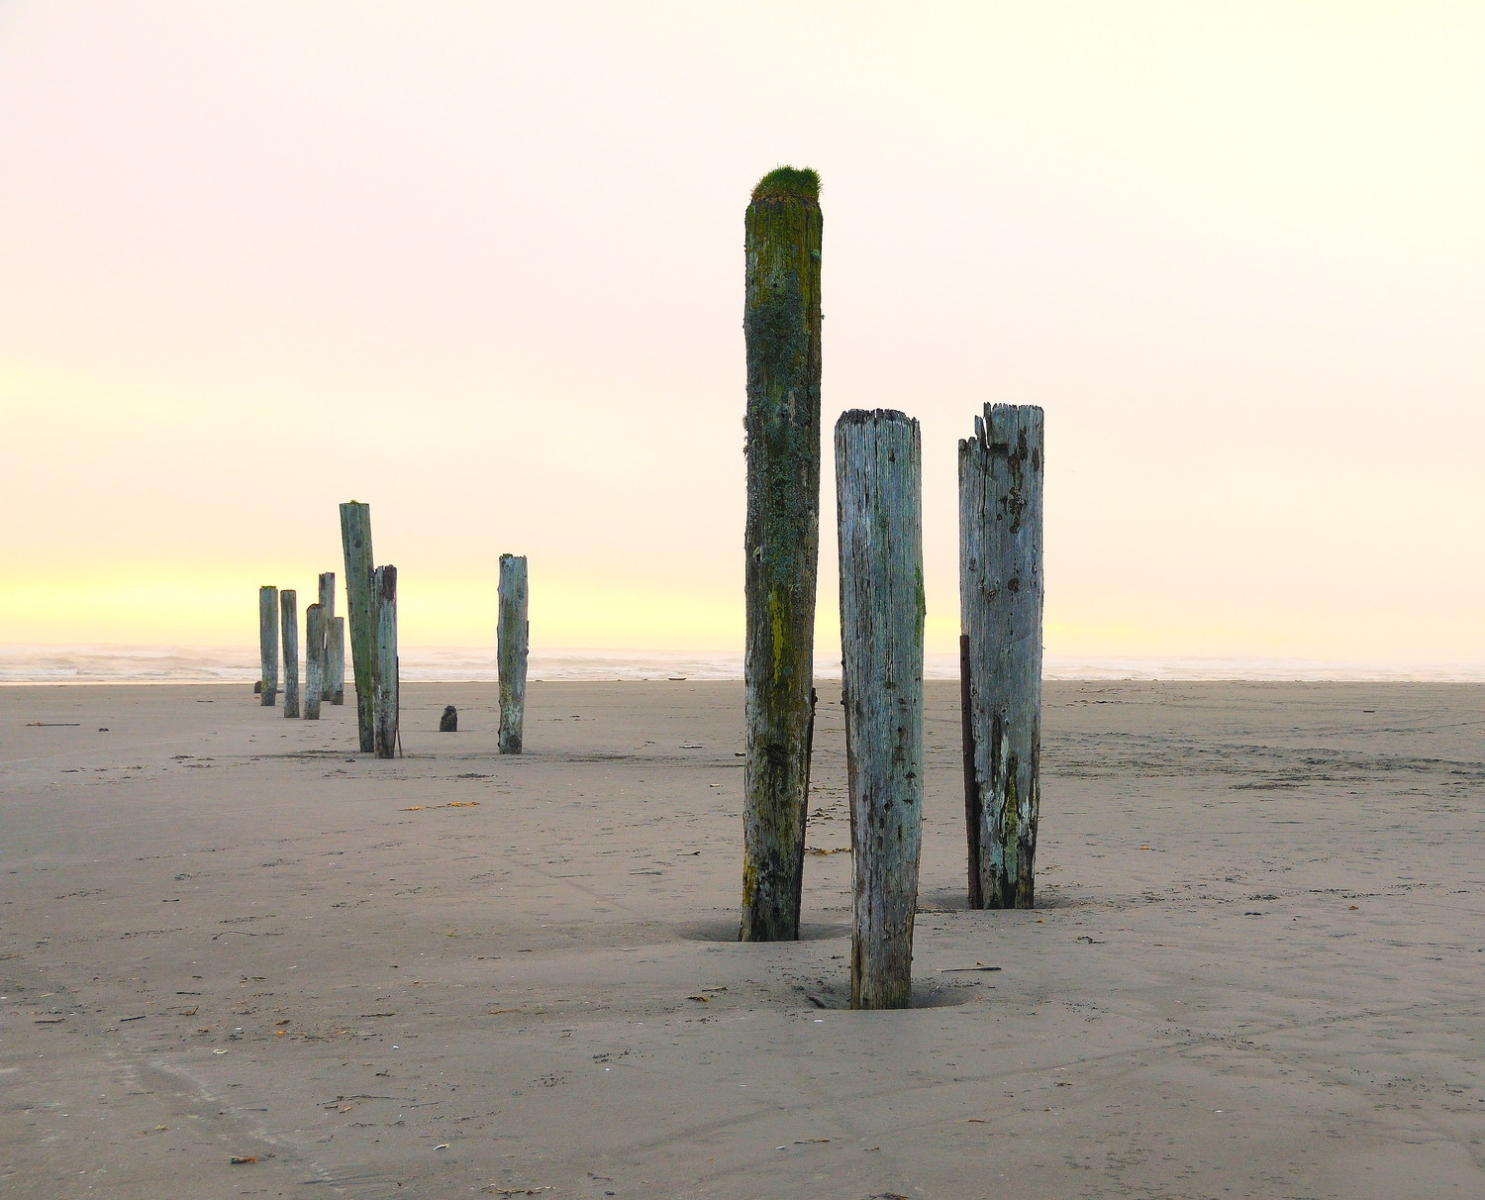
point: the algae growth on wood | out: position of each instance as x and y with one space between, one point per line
781 324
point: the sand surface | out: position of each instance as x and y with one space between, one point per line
1258 969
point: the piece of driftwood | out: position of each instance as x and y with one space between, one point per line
268 644
1000 594
513 635
879 502
781 326
355 540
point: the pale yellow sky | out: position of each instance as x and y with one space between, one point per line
480 264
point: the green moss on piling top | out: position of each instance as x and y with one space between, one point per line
788 183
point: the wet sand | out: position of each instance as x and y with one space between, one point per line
1258 968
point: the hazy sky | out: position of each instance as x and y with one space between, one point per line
480 264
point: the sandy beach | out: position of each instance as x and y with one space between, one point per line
1257 968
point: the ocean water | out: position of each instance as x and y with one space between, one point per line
23 664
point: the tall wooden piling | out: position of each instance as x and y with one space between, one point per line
513 635
328 686
878 476
1000 598
781 325
268 643
314 660
384 596
335 660
355 540
288 606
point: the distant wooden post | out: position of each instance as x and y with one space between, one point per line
335 660
878 492
314 660
355 539
327 605
1000 599
513 633
384 595
781 324
288 605
268 643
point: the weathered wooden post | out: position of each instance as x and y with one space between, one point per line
384 595
268 643
288 604
1000 599
355 540
327 607
878 477
335 660
314 660
513 633
781 324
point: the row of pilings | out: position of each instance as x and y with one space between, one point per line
324 649
878 493
371 605
878 490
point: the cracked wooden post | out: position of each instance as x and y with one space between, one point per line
335 660
329 685
288 606
878 477
268 643
781 324
355 540
314 660
384 597
513 635
1000 598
